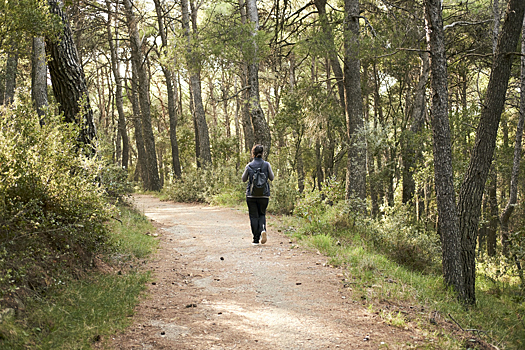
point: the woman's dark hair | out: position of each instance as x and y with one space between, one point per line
257 151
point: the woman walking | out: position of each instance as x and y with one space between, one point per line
257 173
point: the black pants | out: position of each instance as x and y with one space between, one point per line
257 211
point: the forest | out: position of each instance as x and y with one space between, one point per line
370 111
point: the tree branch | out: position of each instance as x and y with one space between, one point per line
465 23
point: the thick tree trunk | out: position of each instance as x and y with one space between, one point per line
356 166
172 96
448 221
137 125
39 76
193 66
260 126
513 197
471 193
68 80
137 60
119 101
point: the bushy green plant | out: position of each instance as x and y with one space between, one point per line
115 181
52 207
283 194
218 185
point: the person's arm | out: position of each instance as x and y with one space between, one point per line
270 172
245 174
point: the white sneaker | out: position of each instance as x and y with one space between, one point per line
263 237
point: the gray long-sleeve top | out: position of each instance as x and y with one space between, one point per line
249 170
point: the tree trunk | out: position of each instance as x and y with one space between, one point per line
492 228
137 60
172 96
356 166
137 124
193 66
249 138
68 80
260 126
471 193
119 101
11 71
224 91
39 77
448 221
513 197
332 51
411 152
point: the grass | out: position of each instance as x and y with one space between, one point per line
76 314
404 296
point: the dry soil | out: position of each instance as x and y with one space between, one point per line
212 289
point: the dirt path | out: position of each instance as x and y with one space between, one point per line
213 290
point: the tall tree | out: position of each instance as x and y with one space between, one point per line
471 193
513 197
260 126
411 151
172 93
249 138
119 100
448 221
193 65
68 80
356 165
138 62
331 48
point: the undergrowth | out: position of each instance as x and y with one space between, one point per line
392 264
77 313
68 253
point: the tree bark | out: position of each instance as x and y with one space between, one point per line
249 138
69 82
137 125
513 197
39 76
471 193
172 96
448 221
119 101
11 71
137 60
356 165
411 152
260 126
332 51
195 82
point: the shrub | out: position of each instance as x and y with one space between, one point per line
220 185
52 208
284 194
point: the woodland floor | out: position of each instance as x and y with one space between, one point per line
212 289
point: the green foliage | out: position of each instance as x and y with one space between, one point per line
115 181
77 315
283 194
377 279
52 208
222 185
22 19
130 238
